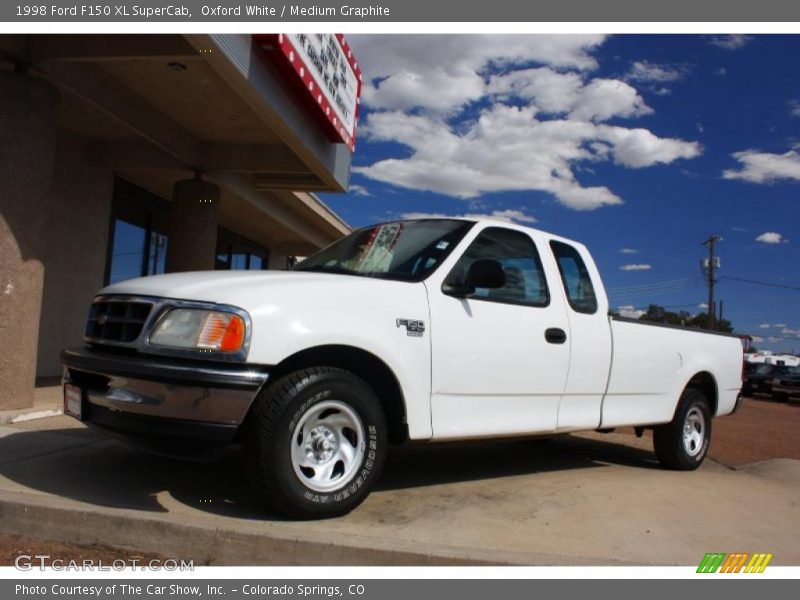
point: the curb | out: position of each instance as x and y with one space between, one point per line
21 417
48 518
207 544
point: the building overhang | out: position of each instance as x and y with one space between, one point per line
157 108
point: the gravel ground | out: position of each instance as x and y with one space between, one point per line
12 546
761 430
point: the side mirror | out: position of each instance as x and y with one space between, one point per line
483 273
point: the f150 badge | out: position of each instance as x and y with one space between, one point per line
413 328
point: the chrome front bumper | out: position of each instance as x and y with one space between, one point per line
159 398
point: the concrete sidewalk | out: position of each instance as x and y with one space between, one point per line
588 499
48 401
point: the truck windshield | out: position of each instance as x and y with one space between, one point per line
402 250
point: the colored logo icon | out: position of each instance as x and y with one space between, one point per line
740 562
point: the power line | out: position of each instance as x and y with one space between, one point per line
649 285
765 283
772 339
651 292
643 297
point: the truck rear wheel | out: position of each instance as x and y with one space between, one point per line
315 443
683 444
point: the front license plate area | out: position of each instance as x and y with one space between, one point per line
73 401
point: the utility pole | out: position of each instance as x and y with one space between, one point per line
710 265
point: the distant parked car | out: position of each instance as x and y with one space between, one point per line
758 380
787 384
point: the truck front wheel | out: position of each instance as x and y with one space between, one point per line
683 444
315 443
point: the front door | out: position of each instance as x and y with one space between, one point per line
495 370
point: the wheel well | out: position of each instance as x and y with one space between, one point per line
368 367
705 382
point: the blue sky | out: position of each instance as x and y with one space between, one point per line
639 146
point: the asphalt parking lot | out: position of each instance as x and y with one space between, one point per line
579 499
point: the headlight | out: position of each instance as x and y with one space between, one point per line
199 329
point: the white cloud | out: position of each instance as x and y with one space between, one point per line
642 70
771 237
552 92
566 93
628 251
510 215
757 339
443 72
603 99
763 167
774 340
358 190
639 148
703 305
780 324
636 267
541 116
764 326
508 148
794 108
630 311
787 331
730 42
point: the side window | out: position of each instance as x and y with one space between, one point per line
516 252
575 277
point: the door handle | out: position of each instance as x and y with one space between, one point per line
554 335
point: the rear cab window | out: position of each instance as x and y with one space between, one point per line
575 278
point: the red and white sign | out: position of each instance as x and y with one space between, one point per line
326 69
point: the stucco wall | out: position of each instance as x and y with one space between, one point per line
74 262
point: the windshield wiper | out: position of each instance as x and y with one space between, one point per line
332 269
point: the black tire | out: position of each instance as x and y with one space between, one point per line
668 439
270 433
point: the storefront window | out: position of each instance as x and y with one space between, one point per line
128 252
137 237
237 253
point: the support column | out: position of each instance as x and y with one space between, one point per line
193 220
277 261
28 122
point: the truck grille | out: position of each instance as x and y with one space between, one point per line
117 321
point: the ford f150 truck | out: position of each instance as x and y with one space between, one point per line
419 330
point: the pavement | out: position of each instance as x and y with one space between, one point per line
579 499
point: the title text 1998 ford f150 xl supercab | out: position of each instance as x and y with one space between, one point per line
426 330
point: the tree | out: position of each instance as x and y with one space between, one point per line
659 314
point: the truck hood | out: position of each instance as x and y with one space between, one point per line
243 288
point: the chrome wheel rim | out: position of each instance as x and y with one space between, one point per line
694 431
328 446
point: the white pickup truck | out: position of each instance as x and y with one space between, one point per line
409 331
